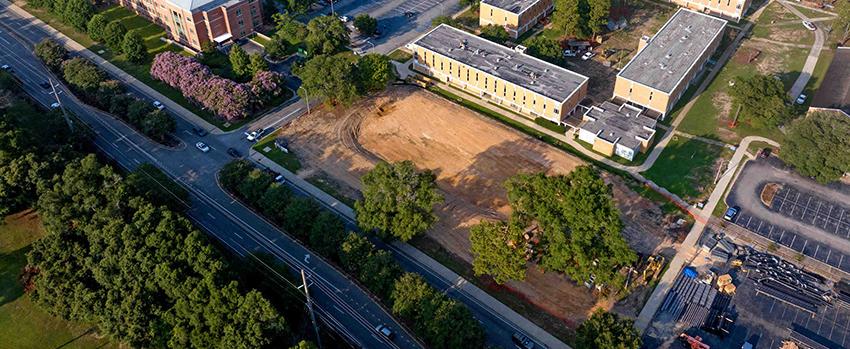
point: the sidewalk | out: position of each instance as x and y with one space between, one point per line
811 60
113 71
466 288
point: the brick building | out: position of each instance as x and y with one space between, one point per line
194 22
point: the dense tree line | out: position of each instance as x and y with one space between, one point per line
75 13
439 320
760 101
581 18
342 80
604 330
818 146
495 33
365 24
93 86
580 230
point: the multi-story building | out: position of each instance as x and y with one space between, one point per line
194 22
732 10
620 130
512 79
517 16
666 64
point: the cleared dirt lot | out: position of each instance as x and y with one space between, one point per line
472 156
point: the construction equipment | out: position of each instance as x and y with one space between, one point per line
693 342
653 267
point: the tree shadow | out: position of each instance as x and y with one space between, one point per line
11 265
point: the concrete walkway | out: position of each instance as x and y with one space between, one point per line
811 60
481 298
688 250
118 74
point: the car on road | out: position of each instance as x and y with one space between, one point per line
570 53
202 147
344 19
801 99
233 152
55 105
158 105
731 213
5 67
409 14
522 341
587 55
385 331
199 131
255 135
809 25
45 85
280 179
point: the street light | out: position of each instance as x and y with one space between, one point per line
307 97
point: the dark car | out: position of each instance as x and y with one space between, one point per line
765 153
731 213
233 152
522 341
199 131
45 85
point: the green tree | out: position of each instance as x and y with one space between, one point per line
150 182
113 36
569 17
157 125
353 251
232 174
378 273
326 35
597 16
254 186
239 61
545 48
472 3
77 13
97 27
326 234
51 53
818 146
761 100
365 24
304 344
842 20
289 29
374 72
498 250
276 48
82 74
106 91
495 33
330 77
443 20
299 217
398 201
257 63
604 330
274 201
137 111
134 47
299 6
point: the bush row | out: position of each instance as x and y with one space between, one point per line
440 321
549 125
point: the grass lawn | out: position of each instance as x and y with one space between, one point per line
793 33
469 18
260 40
22 323
400 56
287 160
151 33
329 188
686 167
810 12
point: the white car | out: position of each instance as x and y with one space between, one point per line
809 25
344 19
587 55
6 67
158 105
55 105
202 147
385 331
254 135
570 53
801 99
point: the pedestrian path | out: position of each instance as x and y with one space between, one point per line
811 60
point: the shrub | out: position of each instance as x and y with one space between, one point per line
51 53
551 126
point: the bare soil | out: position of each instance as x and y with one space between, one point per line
769 191
471 156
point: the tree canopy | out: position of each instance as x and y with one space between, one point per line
365 24
398 201
604 330
326 35
761 99
818 146
495 33
51 53
581 18
113 36
289 29
545 48
498 249
77 13
134 47
239 61
96 27
374 72
82 74
329 77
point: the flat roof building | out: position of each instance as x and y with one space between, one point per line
506 77
834 91
613 129
195 22
517 16
732 10
669 62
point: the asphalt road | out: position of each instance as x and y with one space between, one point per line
340 303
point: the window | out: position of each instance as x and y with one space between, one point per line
241 24
555 110
239 12
650 95
504 90
441 66
485 81
467 75
476 76
491 12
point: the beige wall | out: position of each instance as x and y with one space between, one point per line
727 9
499 91
603 147
515 24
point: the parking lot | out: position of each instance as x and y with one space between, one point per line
767 321
810 209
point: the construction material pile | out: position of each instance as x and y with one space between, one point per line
785 282
689 301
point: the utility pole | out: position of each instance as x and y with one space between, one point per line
307 97
332 8
64 113
310 309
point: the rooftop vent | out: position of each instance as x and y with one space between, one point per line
517 66
688 28
684 38
477 51
662 66
668 56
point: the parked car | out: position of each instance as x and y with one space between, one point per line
809 25
233 152
199 131
801 99
587 55
522 341
570 53
158 105
280 179
5 67
731 213
202 147
765 153
409 14
385 331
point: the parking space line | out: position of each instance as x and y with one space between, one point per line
792 241
817 247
